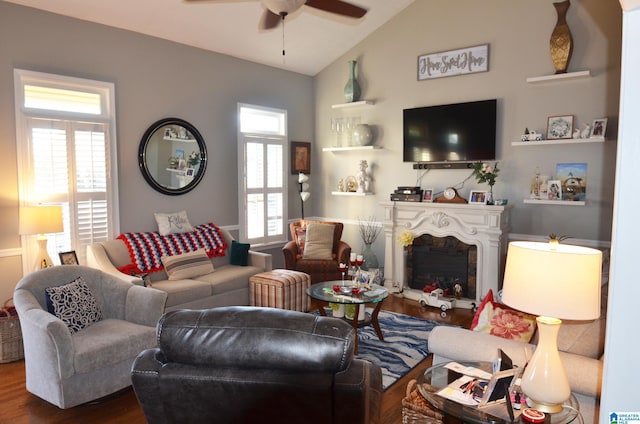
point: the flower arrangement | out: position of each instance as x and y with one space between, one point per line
485 173
369 230
405 238
194 159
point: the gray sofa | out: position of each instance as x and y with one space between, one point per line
581 346
228 285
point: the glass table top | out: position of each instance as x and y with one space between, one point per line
347 292
438 377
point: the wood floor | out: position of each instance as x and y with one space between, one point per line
17 406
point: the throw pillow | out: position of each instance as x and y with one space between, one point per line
74 304
187 265
173 223
319 242
502 321
239 253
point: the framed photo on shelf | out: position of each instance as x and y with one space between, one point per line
598 128
554 190
559 127
427 195
300 157
573 177
478 197
68 258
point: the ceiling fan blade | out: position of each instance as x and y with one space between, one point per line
339 7
269 20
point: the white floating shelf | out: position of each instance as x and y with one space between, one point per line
350 193
349 148
563 141
556 202
353 104
555 77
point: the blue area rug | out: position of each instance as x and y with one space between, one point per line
404 345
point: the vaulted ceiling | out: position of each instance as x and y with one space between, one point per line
311 38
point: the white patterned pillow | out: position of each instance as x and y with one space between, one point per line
173 223
187 265
74 304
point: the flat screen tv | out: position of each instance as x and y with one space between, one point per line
460 132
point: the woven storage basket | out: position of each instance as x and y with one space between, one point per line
416 409
11 348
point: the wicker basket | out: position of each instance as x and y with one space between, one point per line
416 409
11 348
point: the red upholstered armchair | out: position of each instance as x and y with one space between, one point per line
316 250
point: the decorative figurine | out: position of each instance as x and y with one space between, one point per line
585 131
362 178
340 185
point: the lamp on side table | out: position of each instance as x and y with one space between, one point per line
553 281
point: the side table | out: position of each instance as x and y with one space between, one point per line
376 294
438 376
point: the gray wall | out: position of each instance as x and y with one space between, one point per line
518 34
154 79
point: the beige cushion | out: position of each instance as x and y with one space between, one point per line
187 265
173 223
319 241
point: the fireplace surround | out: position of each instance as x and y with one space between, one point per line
483 226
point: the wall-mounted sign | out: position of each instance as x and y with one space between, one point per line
468 60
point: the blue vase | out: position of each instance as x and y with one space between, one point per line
370 258
352 88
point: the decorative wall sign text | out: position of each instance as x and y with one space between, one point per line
468 60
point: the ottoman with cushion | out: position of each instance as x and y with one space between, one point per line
280 288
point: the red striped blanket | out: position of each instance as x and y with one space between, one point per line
147 249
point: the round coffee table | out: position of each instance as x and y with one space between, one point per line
439 376
371 294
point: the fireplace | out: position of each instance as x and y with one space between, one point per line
483 228
442 262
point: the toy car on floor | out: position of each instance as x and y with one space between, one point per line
436 299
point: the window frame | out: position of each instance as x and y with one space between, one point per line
24 115
266 137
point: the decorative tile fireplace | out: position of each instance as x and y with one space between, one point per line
483 227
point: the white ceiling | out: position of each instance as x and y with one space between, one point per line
312 38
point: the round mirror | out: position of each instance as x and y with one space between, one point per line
172 156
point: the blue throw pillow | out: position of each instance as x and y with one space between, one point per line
239 253
74 304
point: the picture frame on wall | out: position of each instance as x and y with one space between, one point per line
478 197
560 127
427 195
68 258
300 157
599 128
554 190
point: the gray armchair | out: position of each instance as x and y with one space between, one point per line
70 368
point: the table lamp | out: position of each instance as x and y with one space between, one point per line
304 186
553 281
41 220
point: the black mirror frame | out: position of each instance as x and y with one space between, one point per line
142 163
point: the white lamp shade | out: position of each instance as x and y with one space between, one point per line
554 280
40 220
304 195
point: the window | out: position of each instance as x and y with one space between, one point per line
65 145
262 183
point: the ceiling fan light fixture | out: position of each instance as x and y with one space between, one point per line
285 7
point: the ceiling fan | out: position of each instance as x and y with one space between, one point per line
276 10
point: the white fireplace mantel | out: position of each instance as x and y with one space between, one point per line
484 226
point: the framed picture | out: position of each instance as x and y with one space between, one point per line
573 177
559 127
189 172
497 388
427 195
68 258
478 197
554 190
598 128
300 157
